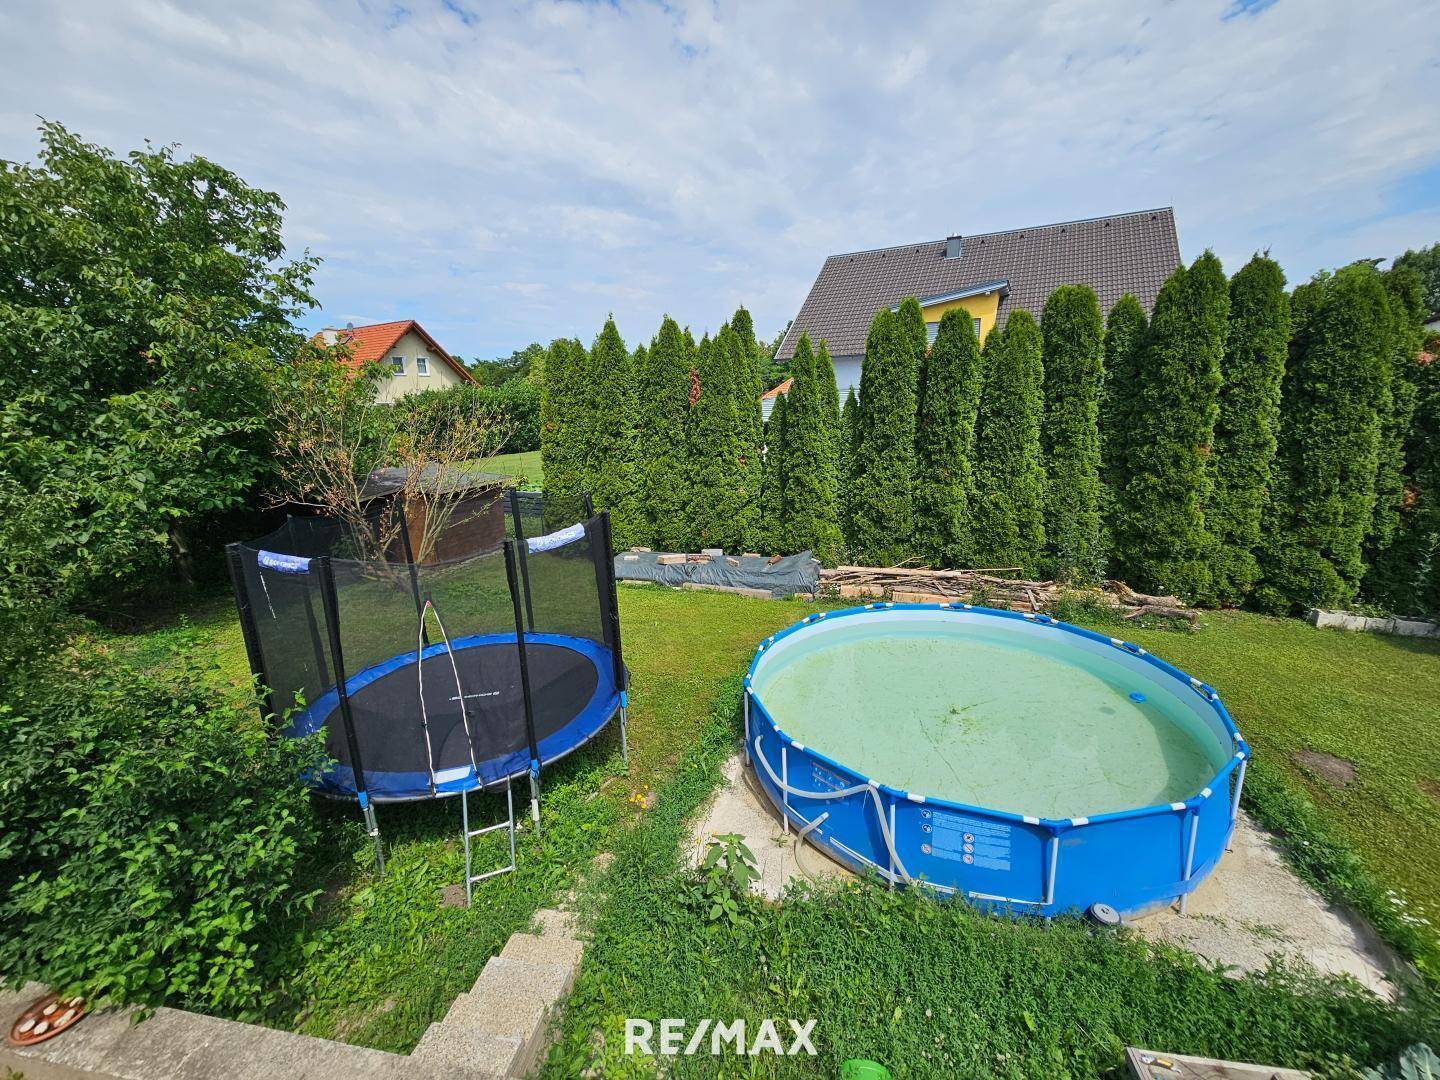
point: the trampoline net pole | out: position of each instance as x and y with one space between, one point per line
332 624
603 548
520 547
516 574
249 632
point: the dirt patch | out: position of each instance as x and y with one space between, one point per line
1430 787
1335 771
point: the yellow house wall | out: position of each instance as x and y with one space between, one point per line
397 386
983 308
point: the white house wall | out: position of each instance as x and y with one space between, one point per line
411 346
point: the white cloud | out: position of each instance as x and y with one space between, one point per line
516 175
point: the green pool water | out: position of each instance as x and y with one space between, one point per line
1024 721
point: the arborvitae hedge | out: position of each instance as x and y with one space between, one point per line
1008 509
882 492
750 433
830 402
605 413
1312 552
844 473
1242 464
910 326
718 501
662 405
773 533
945 443
749 361
1162 544
1070 433
560 427
811 514
1125 329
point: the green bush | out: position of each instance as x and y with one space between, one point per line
811 514
515 405
1070 433
151 836
1162 543
1125 329
1009 523
662 397
717 501
945 443
605 398
883 471
1243 462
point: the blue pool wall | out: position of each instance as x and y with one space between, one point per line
1133 860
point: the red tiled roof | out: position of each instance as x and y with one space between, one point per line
783 388
373 342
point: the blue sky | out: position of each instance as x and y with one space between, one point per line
513 172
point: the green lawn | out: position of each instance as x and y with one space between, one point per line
526 466
385 959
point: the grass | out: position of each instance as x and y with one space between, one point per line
525 465
385 959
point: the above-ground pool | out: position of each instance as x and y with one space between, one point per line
1015 760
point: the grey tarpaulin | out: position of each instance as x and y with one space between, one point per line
791 574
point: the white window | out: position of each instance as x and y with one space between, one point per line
422 365
977 328
932 330
397 365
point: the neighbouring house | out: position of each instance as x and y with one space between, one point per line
988 275
414 359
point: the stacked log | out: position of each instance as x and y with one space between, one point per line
990 587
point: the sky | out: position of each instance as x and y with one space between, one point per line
508 173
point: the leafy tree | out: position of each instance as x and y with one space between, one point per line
663 395
142 301
1008 509
1070 433
773 370
1312 553
718 497
525 364
811 513
1162 542
606 404
945 443
1124 354
561 422
1242 465
882 491
1426 263
773 531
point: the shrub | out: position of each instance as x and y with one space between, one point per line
718 501
882 488
1070 433
514 405
606 400
747 387
774 536
662 403
1009 524
1162 544
945 442
1125 330
1243 463
151 836
559 451
811 517
1312 554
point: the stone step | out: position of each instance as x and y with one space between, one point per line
545 949
514 999
555 922
482 1053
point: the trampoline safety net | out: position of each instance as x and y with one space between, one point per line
434 678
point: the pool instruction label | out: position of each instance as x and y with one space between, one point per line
972 841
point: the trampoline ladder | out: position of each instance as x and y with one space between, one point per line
468 834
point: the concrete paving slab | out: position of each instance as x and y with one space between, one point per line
443 1045
544 949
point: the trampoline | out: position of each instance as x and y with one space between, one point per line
435 679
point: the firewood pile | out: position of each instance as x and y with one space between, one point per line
989 587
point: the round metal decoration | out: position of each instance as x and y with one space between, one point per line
45 1019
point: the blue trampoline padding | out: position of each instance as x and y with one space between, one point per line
389 786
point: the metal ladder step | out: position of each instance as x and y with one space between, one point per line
468 834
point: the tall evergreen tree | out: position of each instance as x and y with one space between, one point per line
1243 461
1162 543
830 401
1125 329
663 404
881 497
748 356
844 474
1070 433
773 527
744 382
561 430
945 443
910 327
1008 517
605 415
1312 553
717 496
811 514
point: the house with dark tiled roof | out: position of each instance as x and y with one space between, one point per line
988 275
414 359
